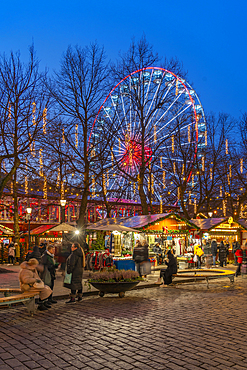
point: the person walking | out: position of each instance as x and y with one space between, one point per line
214 251
171 263
239 254
17 252
49 273
29 277
140 254
74 265
222 254
11 253
207 254
34 254
235 247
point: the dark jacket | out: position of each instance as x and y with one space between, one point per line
222 252
140 253
35 254
171 264
207 249
75 264
48 262
214 248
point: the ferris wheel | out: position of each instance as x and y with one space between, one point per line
155 116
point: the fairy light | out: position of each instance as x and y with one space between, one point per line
40 163
112 157
224 207
161 206
9 111
189 136
4 167
178 192
164 179
44 120
211 174
63 136
226 146
58 177
161 162
174 168
176 93
172 143
155 137
241 215
152 183
221 194
195 206
45 188
206 138
228 180
192 179
134 187
62 190
104 187
183 169
203 163
119 145
33 149
107 178
26 185
76 135
230 170
34 113
93 186
190 197
241 165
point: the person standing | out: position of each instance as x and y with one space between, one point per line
74 265
49 273
207 254
214 251
34 254
11 253
140 254
17 252
239 254
222 254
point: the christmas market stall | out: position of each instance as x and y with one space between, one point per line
222 229
6 235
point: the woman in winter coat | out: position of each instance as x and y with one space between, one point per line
171 269
239 254
28 276
11 253
214 251
74 265
222 254
140 254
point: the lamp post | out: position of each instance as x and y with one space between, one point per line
62 203
29 211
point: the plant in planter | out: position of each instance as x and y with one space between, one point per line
114 281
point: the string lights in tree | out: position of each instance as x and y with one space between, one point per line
9 112
164 179
189 135
76 135
152 183
161 164
26 180
241 214
62 189
203 163
211 174
221 194
206 138
107 178
112 157
230 170
190 197
195 207
224 207
41 163
178 192
155 135
45 188
104 187
241 165
44 120
161 205
192 180
172 143
176 92
226 146
174 168
58 177
63 136
34 114
183 169
93 186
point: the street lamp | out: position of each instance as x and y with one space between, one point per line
210 214
63 204
29 211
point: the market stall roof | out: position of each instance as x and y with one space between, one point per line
242 222
113 227
41 229
63 227
208 223
136 222
6 230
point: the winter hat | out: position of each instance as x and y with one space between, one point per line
32 262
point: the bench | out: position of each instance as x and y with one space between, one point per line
27 298
198 275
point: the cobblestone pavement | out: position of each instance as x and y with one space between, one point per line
184 327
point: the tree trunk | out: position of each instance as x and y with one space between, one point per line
142 196
83 207
16 215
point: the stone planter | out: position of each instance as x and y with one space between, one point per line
118 287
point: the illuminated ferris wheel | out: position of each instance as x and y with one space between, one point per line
155 116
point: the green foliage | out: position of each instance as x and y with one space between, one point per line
99 243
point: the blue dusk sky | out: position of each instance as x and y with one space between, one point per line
208 37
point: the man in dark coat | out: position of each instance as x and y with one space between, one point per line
49 273
171 269
214 251
34 254
222 254
74 265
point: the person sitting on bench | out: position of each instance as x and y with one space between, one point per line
171 263
31 282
